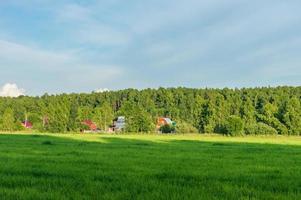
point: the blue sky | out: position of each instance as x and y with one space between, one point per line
79 46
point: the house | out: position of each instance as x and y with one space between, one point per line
90 124
119 124
27 124
162 121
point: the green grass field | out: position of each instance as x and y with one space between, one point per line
36 166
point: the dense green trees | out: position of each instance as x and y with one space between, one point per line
260 110
291 115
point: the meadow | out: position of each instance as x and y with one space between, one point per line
77 166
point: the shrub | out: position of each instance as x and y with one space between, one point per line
260 129
83 127
19 127
281 129
209 128
273 122
184 127
234 125
167 129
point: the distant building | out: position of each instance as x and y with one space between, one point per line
119 124
27 124
91 125
162 121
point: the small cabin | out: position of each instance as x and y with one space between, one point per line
119 123
27 124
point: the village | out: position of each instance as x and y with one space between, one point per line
118 125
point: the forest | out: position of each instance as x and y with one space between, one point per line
246 111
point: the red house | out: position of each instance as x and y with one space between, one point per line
90 124
27 124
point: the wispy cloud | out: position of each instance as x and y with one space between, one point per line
87 27
34 67
20 55
73 12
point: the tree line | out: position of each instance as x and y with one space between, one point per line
265 110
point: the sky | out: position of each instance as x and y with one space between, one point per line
97 45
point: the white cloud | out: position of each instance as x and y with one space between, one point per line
11 90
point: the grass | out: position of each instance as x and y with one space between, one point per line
59 166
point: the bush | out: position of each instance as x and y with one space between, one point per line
19 127
184 127
234 126
273 122
260 129
281 129
167 129
209 128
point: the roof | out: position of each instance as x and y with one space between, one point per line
90 124
164 121
168 121
119 123
27 124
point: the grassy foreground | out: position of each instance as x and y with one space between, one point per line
36 166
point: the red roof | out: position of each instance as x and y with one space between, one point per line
163 121
27 124
92 126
